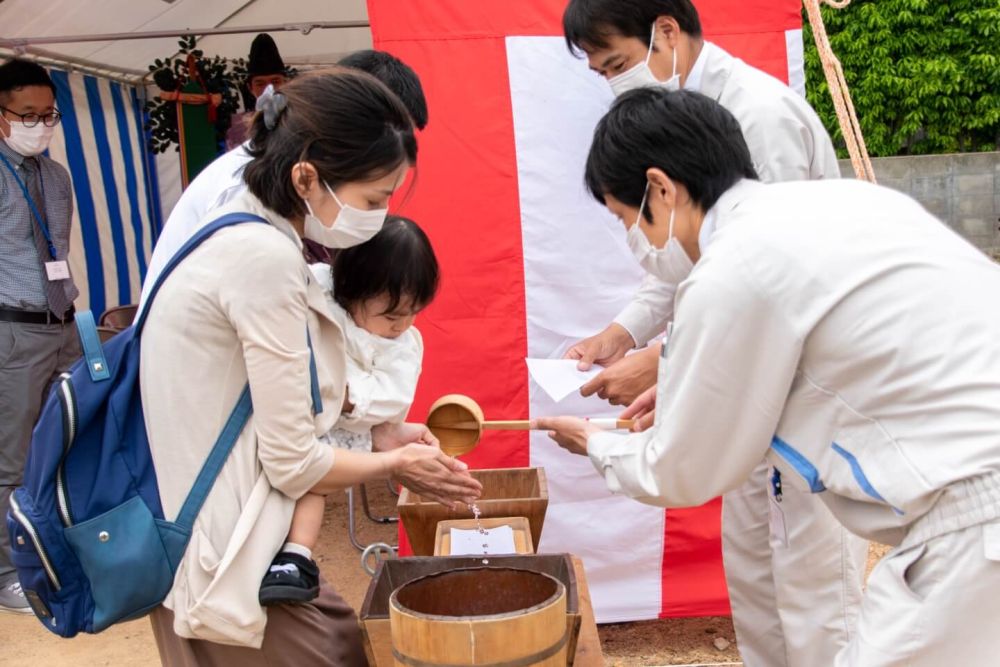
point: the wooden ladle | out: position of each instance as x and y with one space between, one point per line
458 422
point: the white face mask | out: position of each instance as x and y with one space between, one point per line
640 76
669 263
352 226
29 141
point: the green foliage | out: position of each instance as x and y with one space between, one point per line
219 75
924 74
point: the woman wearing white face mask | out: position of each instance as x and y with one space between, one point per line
243 309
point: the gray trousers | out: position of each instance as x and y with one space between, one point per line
31 357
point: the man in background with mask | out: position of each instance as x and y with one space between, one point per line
776 556
38 340
222 180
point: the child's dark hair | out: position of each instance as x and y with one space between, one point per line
343 121
398 261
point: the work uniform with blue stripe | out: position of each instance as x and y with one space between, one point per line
843 332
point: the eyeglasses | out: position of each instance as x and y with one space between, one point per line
32 119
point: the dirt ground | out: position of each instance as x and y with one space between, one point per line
25 643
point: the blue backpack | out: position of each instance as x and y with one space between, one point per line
88 536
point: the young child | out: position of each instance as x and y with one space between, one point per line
374 291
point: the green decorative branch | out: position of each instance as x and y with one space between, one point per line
220 76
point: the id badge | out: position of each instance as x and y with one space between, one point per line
776 519
57 270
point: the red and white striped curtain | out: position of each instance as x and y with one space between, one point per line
530 263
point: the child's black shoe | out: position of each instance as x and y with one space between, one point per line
291 579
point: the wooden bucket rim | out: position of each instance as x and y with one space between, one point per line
395 604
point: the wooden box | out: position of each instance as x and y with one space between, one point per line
506 492
520 526
393 573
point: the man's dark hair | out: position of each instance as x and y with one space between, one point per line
396 74
344 122
587 24
17 73
692 138
398 261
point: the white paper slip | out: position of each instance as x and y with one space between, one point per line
560 377
499 540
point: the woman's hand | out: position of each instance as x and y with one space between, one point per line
642 410
387 437
434 475
570 433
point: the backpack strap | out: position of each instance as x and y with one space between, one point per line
227 220
216 459
227 440
93 351
317 400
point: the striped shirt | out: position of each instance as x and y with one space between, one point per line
22 272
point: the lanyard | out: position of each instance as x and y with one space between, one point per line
32 205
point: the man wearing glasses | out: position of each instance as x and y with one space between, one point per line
38 340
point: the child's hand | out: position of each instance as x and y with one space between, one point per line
386 437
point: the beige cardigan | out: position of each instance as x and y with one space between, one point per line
238 308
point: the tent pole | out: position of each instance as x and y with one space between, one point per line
22 43
42 57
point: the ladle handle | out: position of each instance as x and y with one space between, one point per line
509 425
525 425
611 423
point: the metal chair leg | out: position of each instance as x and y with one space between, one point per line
352 524
350 521
368 511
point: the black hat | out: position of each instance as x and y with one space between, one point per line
264 57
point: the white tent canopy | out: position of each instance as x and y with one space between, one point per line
24 22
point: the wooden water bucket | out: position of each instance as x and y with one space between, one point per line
506 492
393 573
502 617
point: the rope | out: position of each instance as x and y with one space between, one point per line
841 94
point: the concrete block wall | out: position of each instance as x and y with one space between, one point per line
962 189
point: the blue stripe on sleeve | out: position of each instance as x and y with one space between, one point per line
800 463
861 478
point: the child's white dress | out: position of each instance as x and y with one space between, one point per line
382 374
